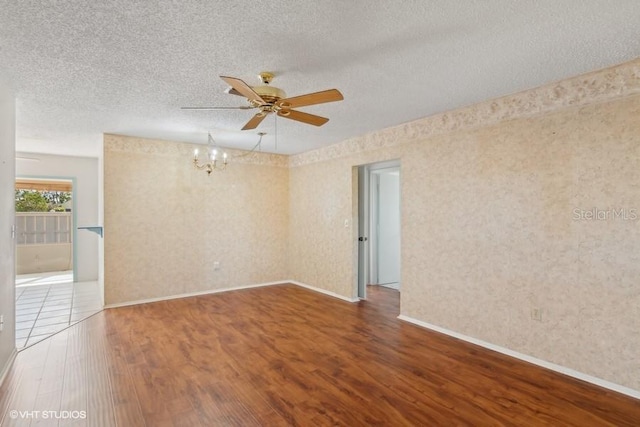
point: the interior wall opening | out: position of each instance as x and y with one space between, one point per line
48 296
379 248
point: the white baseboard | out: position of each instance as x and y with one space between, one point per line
543 363
323 291
8 365
215 291
193 294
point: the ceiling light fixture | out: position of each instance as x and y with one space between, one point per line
212 153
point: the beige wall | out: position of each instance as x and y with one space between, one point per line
166 223
488 227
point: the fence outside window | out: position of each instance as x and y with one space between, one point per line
44 242
41 228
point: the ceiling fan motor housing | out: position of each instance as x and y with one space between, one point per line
270 94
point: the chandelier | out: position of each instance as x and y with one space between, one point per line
212 158
212 155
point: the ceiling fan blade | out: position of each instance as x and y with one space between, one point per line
255 121
243 107
299 116
330 95
244 89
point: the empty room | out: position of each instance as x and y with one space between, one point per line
319 213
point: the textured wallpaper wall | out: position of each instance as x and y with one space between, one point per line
502 213
167 223
513 230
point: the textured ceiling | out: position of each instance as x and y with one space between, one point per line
80 69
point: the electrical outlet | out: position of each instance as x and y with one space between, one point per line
1 322
536 314
216 265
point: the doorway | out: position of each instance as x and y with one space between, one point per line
44 226
48 297
378 226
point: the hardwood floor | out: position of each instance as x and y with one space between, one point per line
281 356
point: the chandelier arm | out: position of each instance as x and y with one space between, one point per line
200 166
211 165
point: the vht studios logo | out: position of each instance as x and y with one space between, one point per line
596 214
48 415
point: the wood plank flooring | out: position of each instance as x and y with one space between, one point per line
286 356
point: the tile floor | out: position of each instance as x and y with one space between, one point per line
48 303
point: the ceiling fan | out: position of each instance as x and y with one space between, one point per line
270 99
